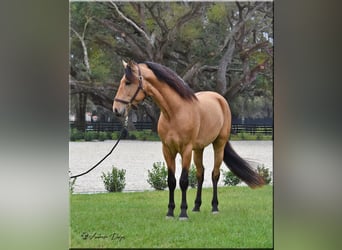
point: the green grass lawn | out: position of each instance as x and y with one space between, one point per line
136 220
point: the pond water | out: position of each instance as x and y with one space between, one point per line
137 157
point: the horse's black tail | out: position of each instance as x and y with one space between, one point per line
241 168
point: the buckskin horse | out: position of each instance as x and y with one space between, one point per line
188 123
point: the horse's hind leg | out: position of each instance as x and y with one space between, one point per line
198 159
218 158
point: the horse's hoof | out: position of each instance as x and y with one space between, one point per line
215 212
195 209
183 218
168 217
170 214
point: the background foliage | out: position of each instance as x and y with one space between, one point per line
225 47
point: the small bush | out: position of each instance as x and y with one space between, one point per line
230 179
264 173
259 136
114 136
90 135
114 181
109 135
132 136
102 136
157 177
76 135
192 176
243 135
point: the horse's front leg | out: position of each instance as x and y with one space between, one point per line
198 159
184 181
171 180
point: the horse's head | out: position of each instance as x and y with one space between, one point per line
130 92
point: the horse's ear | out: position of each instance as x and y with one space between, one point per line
132 66
124 63
131 63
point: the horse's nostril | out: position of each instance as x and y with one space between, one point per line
116 112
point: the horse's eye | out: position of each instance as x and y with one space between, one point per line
128 82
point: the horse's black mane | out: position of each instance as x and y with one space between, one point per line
172 79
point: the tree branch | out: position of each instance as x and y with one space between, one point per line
250 76
85 51
133 24
232 42
163 27
246 53
191 14
135 47
95 94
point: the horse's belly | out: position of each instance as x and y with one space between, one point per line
206 136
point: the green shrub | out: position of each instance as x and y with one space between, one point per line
76 135
114 136
230 179
259 136
102 136
157 177
114 181
243 135
132 136
109 135
192 176
90 135
264 173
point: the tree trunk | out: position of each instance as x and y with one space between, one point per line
224 63
80 122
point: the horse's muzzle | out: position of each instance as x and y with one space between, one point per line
119 112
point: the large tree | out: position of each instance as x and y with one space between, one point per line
224 47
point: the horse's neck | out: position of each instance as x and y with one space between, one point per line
169 102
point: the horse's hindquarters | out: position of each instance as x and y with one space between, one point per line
215 118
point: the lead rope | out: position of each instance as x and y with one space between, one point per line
122 132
